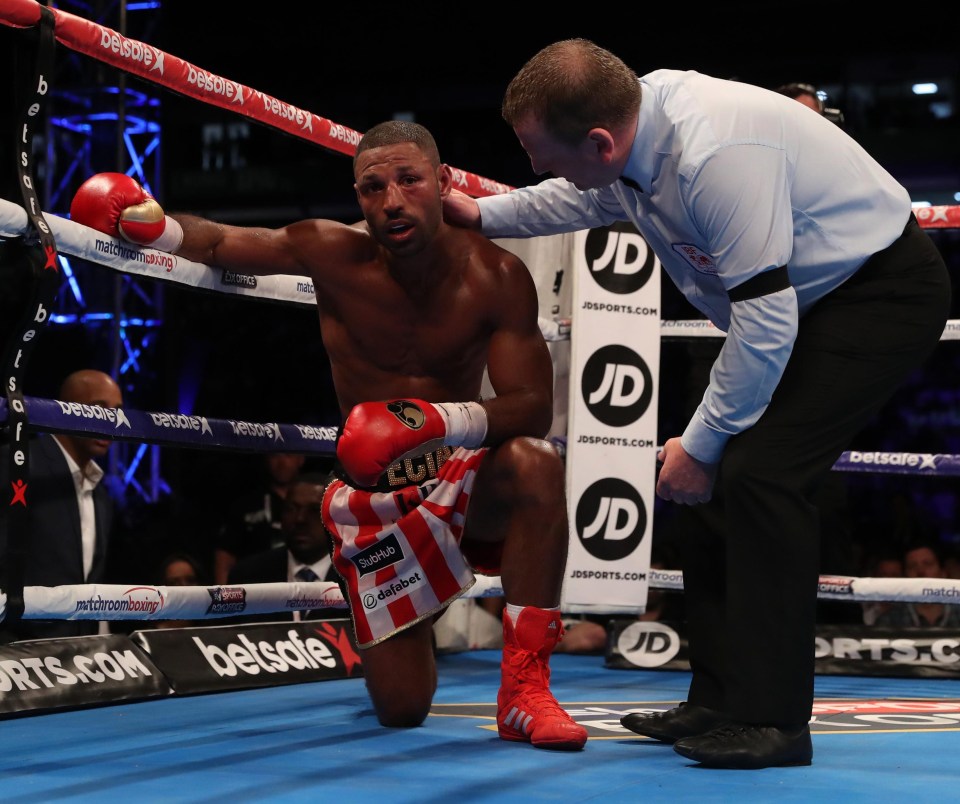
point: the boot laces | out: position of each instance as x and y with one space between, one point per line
531 677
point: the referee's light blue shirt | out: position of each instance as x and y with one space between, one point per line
734 180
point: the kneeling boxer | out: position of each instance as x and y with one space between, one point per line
431 483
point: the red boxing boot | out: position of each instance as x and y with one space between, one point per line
526 709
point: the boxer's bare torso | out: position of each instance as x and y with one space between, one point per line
409 306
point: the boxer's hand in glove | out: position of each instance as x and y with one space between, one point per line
378 434
115 204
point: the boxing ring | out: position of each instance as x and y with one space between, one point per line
143 724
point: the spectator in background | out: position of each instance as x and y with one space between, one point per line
884 563
922 559
304 554
951 562
253 523
180 569
803 93
809 95
70 511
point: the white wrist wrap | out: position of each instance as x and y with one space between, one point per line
466 423
171 238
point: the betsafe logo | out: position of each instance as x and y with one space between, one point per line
618 258
611 519
617 385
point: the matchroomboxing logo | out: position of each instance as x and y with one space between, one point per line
136 599
618 258
611 519
331 599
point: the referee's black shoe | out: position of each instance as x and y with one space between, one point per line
747 747
685 720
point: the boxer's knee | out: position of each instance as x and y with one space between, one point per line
401 676
402 712
528 470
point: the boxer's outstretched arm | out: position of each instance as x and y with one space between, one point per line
292 249
118 205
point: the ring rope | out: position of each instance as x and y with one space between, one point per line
158 67
80 241
175 429
88 244
145 602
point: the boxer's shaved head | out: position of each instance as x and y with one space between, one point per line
395 132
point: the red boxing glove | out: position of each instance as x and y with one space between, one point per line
115 204
378 434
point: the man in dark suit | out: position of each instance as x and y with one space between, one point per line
305 555
70 511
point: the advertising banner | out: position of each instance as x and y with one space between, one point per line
839 650
612 429
227 657
48 674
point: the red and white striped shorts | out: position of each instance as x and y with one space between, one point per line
399 551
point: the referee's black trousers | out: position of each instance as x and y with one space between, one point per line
750 557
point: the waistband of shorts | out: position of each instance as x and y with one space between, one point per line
408 472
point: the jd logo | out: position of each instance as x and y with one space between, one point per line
618 258
648 644
611 519
616 385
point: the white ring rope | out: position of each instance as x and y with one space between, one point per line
80 241
144 602
88 244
